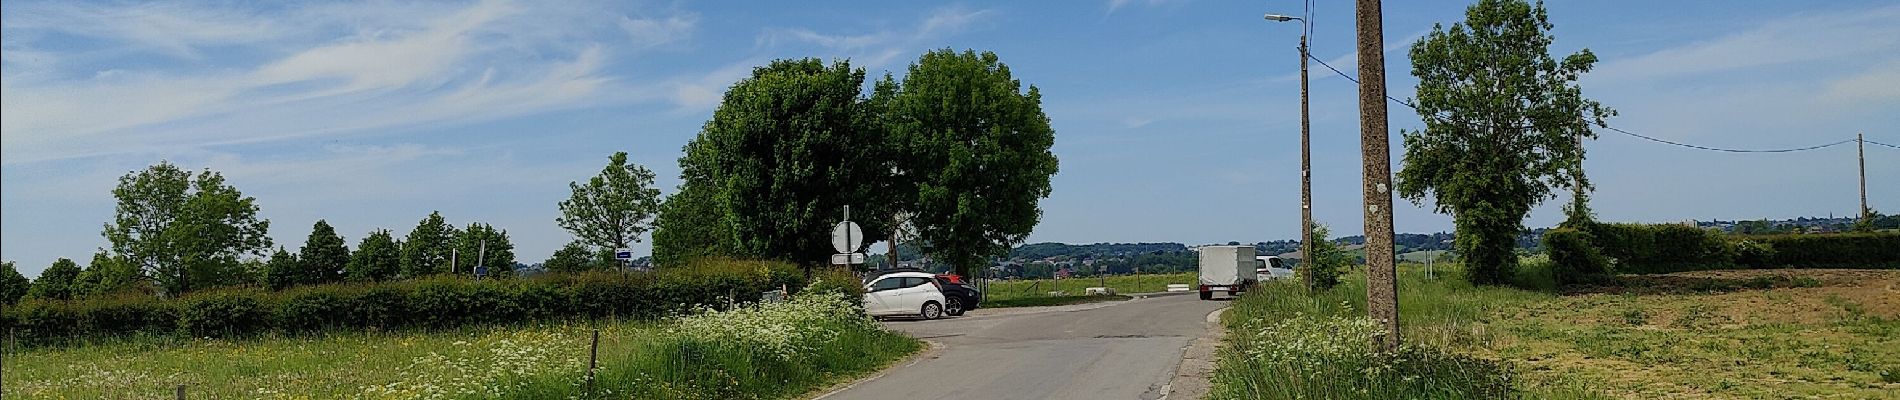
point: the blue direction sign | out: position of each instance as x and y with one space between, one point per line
623 254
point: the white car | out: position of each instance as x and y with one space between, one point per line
1271 268
913 294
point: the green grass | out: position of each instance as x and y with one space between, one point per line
1123 284
1051 301
1747 337
775 352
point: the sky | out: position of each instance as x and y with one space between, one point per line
1175 120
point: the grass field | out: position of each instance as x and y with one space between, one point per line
779 351
1008 293
1711 334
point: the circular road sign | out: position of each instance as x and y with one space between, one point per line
846 237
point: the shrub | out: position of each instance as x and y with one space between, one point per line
1661 248
430 302
1842 250
1574 256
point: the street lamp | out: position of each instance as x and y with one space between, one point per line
1306 155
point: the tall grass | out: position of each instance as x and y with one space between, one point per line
1123 284
1286 343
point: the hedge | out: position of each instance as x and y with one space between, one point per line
434 302
1575 257
1665 248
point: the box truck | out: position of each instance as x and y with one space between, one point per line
1228 269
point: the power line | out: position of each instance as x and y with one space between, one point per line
1612 128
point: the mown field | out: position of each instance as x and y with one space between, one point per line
1764 334
777 351
1036 292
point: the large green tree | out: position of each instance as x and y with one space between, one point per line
691 223
1504 125
788 148
974 148
283 270
611 210
574 257
482 244
56 282
190 232
377 258
324 254
13 286
427 249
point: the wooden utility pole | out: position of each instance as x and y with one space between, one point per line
1306 168
1382 289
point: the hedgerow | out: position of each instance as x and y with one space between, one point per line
429 303
1665 248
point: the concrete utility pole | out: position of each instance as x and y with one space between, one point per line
1382 289
1860 140
1306 155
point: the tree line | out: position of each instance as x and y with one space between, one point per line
957 149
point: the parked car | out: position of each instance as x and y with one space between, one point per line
904 294
959 296
1271 268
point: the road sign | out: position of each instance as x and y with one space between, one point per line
847 237
623 254
848 258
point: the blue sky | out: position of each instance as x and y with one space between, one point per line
1175 120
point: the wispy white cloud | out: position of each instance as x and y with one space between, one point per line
175 29
476 62
1114 5
882 47
1776 41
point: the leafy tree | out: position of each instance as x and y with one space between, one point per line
976 150
13 286
56 282
323 256
787 149
1503 123
378 258
482 244
283 270
427 249
612 209
105 275
188 231
574 257
691 223
1328 260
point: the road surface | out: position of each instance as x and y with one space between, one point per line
1117 350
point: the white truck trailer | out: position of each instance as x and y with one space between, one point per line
1227 268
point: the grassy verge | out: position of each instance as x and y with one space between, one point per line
1123 284
1691 336
773 351
1051 301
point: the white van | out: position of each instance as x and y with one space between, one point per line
1230 269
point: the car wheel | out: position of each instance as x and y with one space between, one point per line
1207 295
953 307
932 310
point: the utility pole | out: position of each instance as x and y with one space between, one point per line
1306 167
1382 289
1860 140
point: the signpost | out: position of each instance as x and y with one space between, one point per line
846 238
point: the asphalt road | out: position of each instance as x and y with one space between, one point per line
1118 350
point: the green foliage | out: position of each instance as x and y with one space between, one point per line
433 302
1574 257
188 231
13 286
1661 248
1328 259
427 249
377 258
1843 250
1502 129
691 223
788 148
282 271
612 209
323 256
56 282
106 275
975 149
483 245
574 257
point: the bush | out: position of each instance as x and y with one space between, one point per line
1649 249
1841 250
430 302
1574 257
1661 248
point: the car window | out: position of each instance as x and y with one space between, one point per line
1275 262
887 284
